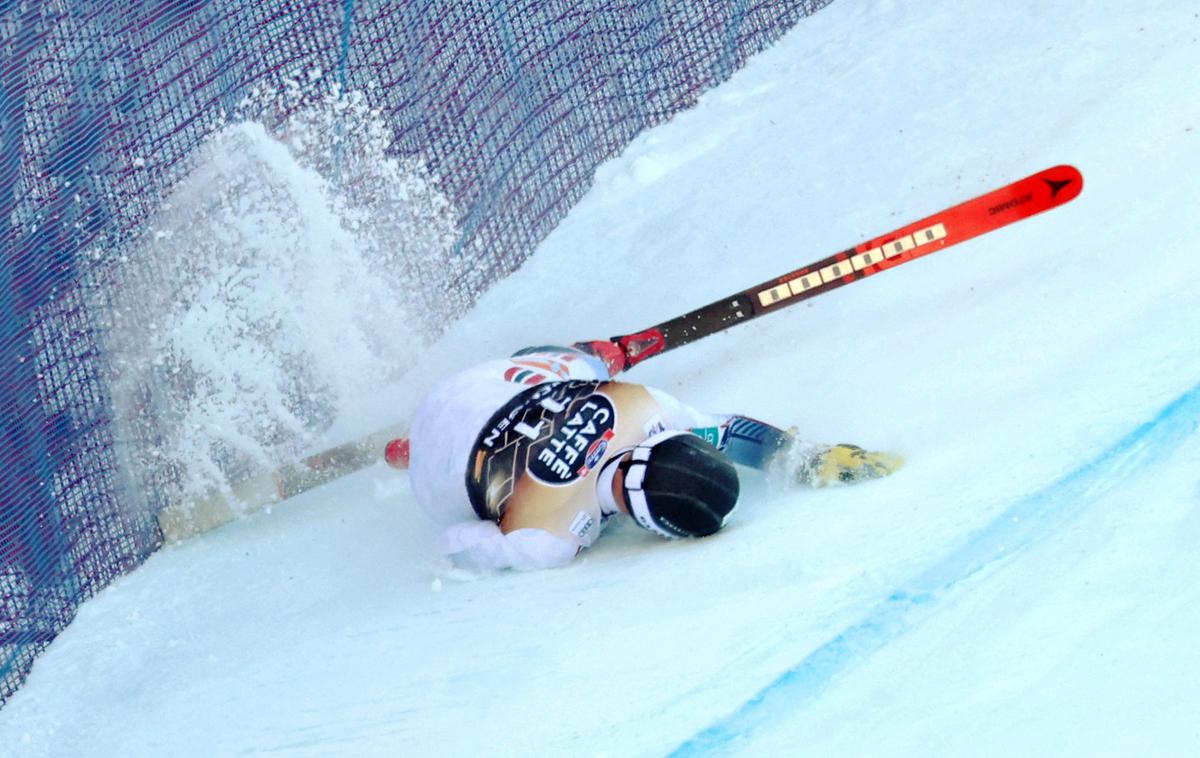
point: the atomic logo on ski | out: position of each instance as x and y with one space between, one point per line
1056 187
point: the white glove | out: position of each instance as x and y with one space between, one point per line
480 545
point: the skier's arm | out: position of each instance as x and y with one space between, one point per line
597 360
759 445
746 441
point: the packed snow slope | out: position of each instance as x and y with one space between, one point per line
1025 586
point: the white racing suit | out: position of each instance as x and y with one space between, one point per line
506 454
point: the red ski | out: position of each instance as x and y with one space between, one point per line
1044 190
1024 198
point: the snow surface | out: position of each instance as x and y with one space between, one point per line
1025 586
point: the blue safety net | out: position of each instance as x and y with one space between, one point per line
511 104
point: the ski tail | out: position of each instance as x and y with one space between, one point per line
1027 197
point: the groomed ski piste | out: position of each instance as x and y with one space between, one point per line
1026 585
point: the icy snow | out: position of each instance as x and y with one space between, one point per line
1025 586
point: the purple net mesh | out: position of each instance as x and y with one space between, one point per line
512 104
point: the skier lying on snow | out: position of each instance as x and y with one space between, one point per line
543 448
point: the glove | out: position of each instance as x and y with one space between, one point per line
847 464
480 545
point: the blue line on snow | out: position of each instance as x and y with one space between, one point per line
1021 525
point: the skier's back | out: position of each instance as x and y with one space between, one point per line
527 458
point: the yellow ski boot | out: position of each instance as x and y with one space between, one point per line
847 464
